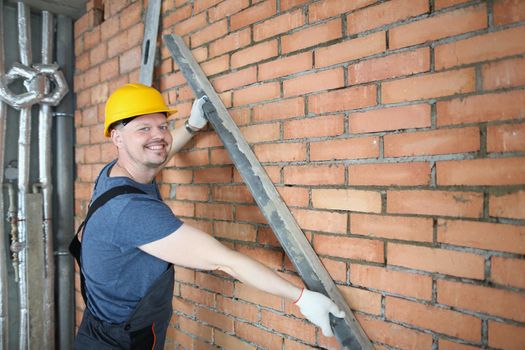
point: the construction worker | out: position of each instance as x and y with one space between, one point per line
130 239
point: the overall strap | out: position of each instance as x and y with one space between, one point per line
75 245
105 197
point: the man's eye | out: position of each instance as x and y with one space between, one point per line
144 128
163 127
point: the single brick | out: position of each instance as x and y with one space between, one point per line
345 99
285 66
350 50
191 24
230 42
507 205
347 199
429 202
349 248
439 26
392 227
330 8
226 9
506 138
482 235
317 220
279 110
311 36
444 261
253 14
362 300
389 119
480 48
441 141
481 172
399 174
255 53
232 193
214 211
508 11
433 318
392 281
278 25
256 93
391 66
280 152
209 33
261 132
297 328
288 4
314 175
383 14
429 86
503 74
236 79
503 303
394 334
321 81
234 231
506 336
481 108
508 271
331 125
354 148
216 65
441 4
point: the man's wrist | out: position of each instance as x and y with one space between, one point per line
299 297
192 130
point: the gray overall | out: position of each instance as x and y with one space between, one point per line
146 327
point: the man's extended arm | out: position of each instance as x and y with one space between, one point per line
193 248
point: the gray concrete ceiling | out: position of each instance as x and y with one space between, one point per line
69 8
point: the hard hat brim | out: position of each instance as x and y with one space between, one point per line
169 112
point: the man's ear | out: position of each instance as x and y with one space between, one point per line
116 137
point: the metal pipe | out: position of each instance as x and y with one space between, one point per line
24 144
44 169
64 165
4 309
11 218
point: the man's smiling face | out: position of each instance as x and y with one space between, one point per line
146 140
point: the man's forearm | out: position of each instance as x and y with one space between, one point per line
255 274
180 136
191 247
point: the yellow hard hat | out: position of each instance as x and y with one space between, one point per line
132 100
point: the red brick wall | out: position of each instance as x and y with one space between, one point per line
395 132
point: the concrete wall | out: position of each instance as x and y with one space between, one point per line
395 132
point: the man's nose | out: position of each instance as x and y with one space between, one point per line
158 132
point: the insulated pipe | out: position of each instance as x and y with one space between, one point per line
4 307
44 170
65 166
11 217
24 144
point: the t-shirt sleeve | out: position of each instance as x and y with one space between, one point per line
144 220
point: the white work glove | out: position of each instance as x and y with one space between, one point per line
316 308
197 120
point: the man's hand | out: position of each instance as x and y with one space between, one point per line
197 120
316 308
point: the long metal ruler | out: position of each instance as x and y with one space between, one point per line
347 331
149 44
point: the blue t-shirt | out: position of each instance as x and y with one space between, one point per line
117 273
